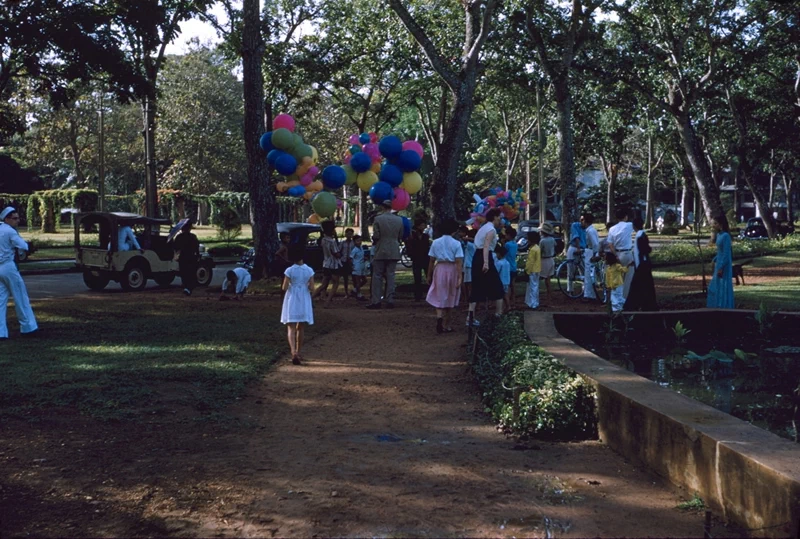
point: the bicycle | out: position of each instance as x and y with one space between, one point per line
405 258
571 275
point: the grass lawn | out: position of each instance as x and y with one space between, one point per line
138 355
665 272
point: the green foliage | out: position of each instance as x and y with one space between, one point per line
680 331
695 504
765 318
527 390
228 224
684 252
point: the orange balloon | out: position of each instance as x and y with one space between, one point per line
313 219
376 167
281 187
308 195
307 162
315 186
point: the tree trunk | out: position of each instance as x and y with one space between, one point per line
566 156
687 191
787 185
445 175
763 208
151 183
263 211
709 194
80 180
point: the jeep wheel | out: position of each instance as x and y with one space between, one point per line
164 279
134 277
204 274
95 280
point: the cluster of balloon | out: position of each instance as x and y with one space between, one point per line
297 161
387 169
510 203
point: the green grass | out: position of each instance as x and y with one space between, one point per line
135 356
664 272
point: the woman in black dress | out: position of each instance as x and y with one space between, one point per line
486 285
642 295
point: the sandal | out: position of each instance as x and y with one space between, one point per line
295 360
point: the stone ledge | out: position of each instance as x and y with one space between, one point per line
747 474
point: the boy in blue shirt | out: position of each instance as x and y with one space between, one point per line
504 269
510 243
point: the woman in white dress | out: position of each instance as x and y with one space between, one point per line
298 284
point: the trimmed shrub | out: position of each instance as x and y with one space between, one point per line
228 224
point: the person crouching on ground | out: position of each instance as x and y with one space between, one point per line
236 282
533 266
444 275
11 283
298 283
360 271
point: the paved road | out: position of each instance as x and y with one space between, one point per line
63 285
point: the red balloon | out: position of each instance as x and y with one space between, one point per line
373 137
401 199
283 121
413 145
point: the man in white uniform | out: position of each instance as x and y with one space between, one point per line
236 281
621 243
11 284
592 248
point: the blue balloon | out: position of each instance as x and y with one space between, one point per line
361 162
406 227
390 147
333 177
296 191
391 175
286 164
273 156
381 191
363 138
266 142
409 161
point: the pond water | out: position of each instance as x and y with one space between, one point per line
752 379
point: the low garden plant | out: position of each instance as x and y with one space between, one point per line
527 391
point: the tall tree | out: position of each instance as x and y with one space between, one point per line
461 78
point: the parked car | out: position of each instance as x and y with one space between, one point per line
526 226
298 235
755 229
102 261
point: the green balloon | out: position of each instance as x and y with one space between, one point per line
352 175
298 141
283 139
303 150
324 204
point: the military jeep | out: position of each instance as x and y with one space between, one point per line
98 254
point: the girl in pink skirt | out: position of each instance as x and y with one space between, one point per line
446 258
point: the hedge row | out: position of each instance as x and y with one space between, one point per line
527 391
687 253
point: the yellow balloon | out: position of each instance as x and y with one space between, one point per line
412 182
315 187
376 167
314 155
366 180
313 219
350 174
281 187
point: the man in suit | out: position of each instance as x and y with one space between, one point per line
387 233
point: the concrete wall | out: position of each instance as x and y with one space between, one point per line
746 474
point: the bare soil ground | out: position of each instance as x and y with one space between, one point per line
381 433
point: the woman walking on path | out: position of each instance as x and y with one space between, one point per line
444 275
331 261
486 285
298 283
720 290
642 296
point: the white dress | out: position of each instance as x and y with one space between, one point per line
297 305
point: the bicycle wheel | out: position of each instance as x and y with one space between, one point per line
570 278
405 260
600 282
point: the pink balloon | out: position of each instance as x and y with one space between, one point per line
339 203
313 171
347 159
283 121
372 150
413 145
401 199
354 139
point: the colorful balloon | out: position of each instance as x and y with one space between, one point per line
409 161
283 139
401 199
273 156
354 139
391 175
324 204
351 175
366 180
364 138
414 146
381 191
313 219
283 121
285 164
390 146
360 162
412 182
373 137
354 149
333 177
315 187
266 142
297 191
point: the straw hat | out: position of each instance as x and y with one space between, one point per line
547 228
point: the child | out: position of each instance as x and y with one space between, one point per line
533 266
331 261
347 263
359 267
504 270
236 281
615 281
444 275
510 244
469 254
298 283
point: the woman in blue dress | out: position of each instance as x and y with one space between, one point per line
720 291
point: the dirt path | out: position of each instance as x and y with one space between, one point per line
381 433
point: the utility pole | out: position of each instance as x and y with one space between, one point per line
101 186
539 152
528 175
